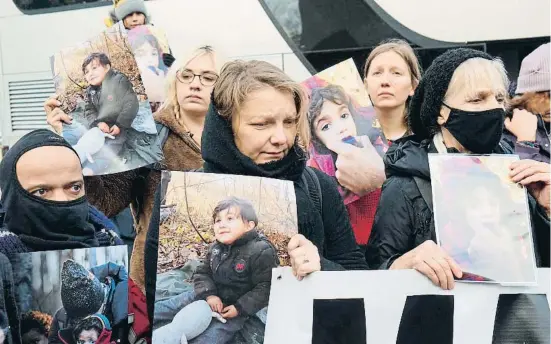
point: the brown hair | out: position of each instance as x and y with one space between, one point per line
405 51
239 78
534 102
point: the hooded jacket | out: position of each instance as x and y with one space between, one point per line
404 221
114 102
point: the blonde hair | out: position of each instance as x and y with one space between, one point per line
239 78
171 101
473 73
405 51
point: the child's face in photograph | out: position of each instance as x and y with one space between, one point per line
95 73
230 226
146 55
483 209
334 123
88 337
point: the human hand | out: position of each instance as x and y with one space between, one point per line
304 255
215 303
523 125
55 117
230 312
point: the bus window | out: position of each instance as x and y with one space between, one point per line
325 32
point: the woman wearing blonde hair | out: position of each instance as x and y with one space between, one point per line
256 126
180 123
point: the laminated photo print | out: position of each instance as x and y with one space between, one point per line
340 117
220 236
72 296
482 218
100 87
148 44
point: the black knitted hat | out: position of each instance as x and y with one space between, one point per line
425 104
81 292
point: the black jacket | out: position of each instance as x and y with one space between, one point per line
240 274
404 221
113 102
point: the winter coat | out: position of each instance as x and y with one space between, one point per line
114 102
113 193
404 221
540 150
239 274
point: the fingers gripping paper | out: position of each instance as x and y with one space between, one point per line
471 313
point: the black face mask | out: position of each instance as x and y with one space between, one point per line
477 131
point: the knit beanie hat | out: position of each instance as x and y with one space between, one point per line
426 102
124 8
81 292
534 71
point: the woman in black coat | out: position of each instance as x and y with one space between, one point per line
457 108
256 127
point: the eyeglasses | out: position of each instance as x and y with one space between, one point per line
206 79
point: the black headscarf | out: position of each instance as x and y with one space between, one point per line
42 224
222 156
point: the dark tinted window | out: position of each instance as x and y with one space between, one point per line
324 32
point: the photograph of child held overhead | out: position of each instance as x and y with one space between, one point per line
100 87
220 237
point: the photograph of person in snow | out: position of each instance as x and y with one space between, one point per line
481 219
94 329
99 85
233 280
103 289
54 290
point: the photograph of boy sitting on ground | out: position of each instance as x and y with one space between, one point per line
220 237
99 85
72 296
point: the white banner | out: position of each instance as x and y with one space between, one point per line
290 311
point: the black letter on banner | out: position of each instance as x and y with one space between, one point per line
522 318
427 319
339 321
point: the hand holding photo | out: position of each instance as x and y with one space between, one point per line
100 87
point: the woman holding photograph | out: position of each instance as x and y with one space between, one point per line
457 108
256 126
189 85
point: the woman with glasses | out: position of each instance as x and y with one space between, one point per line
189 85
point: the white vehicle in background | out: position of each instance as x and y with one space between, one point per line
299 36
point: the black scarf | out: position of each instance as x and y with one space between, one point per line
42 224
221 155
